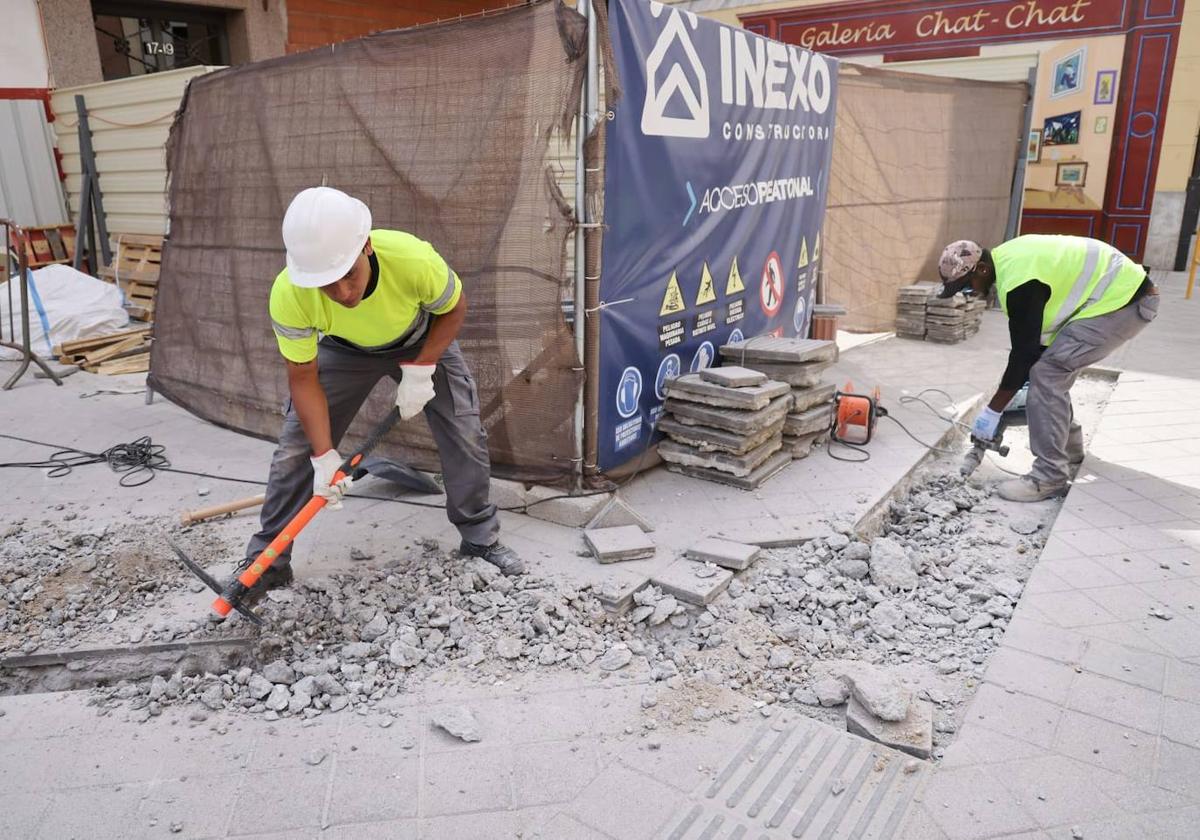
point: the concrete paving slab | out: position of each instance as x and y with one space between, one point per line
708 439
724 553
732 376
692 582
806 398
766 348
809 422
751 481
800 376
913 735
691 388
626 542
729 419
739 466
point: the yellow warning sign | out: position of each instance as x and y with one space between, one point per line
817 248
734 284
803 253
707 293
673 299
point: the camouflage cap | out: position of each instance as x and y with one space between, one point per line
959 259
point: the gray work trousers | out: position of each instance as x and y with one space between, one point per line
1080 344
347 378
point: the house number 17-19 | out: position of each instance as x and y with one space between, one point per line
155 48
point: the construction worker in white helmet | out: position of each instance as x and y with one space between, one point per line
1070 302
352 306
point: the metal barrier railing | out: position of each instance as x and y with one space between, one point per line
16 256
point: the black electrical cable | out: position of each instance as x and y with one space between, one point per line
144 459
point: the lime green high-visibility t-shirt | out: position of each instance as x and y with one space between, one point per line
414 284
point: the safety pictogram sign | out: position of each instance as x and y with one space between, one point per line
734 284
803 252
817 248
771 291
673 299
707 293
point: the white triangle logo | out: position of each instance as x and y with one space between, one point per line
654 117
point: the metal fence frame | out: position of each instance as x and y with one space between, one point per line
14 238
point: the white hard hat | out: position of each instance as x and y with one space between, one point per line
324 230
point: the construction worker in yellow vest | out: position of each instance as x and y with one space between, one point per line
1070 302
355 305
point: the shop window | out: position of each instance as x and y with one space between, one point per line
138 38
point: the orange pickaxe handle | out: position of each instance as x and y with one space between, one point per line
236 589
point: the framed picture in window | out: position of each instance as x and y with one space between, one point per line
1062 130
1106 87
1033 150
1067 75
1071 174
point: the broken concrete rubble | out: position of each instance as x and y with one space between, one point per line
457 721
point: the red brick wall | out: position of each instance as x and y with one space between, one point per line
314 23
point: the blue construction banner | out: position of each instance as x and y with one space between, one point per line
716 171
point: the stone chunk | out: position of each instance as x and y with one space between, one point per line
805 398
750 482
816 419
831 691
890 567
730 555
611 545
616 594
694 389
279 672
767 348
732 376
681 580
913 734
737 465
729 419
880 692
457 721
717 440
616 657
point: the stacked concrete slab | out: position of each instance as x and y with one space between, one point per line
911 302
726 425
952 320
801 363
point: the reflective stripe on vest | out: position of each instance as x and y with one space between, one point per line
1072 305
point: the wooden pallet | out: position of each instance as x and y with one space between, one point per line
47 245
135 268
77 352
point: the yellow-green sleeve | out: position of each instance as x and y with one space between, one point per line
297 337
439 287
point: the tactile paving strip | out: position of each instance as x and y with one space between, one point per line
803 779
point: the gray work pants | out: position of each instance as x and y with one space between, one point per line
1080 344
453 415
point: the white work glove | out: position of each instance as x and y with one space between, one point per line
324 468
986 424
415 389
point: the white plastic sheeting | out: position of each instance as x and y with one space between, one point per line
64 304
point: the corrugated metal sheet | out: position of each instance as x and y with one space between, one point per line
130 120
30 190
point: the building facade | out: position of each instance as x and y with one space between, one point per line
1116 104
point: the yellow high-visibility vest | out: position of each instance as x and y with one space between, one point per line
1086 277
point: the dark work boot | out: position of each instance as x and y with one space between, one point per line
276 576
500 556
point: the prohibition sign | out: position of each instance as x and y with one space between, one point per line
771 292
